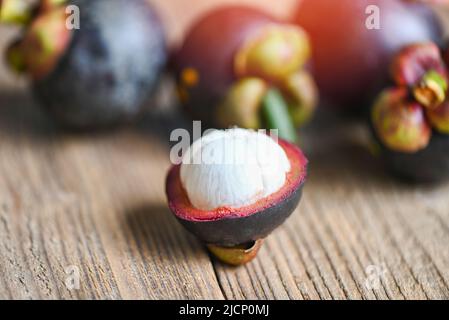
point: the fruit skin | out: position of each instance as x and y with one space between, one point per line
238 226
209 51
109 69
428 165
351 65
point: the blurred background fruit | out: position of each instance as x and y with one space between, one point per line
240 66
99 74
179 15
350 60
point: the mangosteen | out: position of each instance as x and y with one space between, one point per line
99 72
410 121
234 187
355 42
430 164
240 66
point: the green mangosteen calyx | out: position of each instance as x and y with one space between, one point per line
15 12
282 95
405 116
235 187
242 104
50 4
253 75
101 74
236 255
252 103
421 68
45 42
439 118
15 58
273 53
400 123
431 90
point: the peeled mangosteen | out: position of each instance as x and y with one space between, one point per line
240 66
100 74
234 187
410 121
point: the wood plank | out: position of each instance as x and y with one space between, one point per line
95 202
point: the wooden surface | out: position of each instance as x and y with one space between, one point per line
96 202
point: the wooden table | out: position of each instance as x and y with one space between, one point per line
94 204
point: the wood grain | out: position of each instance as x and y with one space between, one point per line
96 201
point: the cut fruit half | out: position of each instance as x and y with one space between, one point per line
229 227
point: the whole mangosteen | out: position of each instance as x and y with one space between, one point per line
97 71
234 187
240 66
410 121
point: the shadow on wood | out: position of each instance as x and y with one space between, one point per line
19 114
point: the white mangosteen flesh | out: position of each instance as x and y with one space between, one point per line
233 168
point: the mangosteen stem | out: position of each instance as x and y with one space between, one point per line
16 12
236 255
431 91
276 115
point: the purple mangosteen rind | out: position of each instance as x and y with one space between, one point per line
101 80
233 231
231 227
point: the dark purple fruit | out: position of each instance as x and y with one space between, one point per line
228 231
411 120
102 73
351 61
427 165
233 58
14 12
